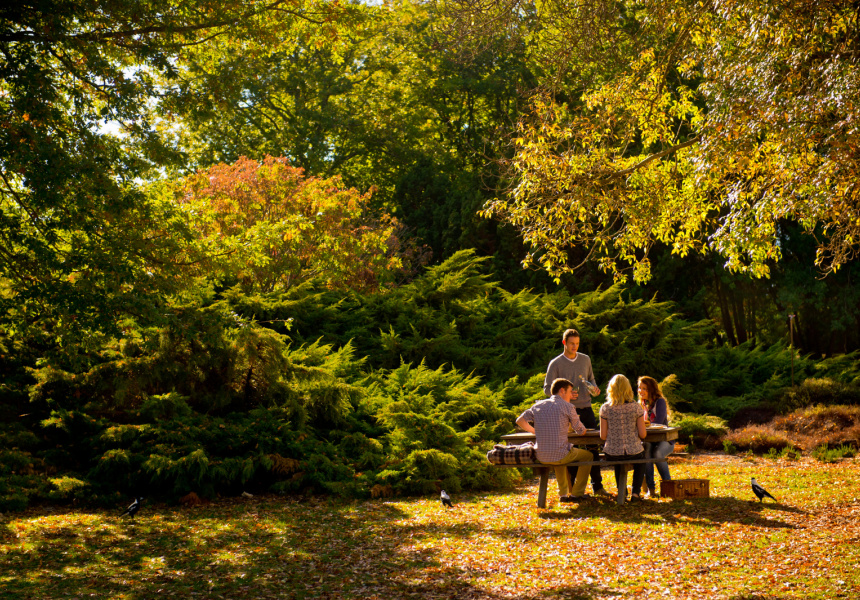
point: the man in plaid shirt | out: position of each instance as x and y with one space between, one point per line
552 419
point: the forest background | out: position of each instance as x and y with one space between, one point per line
314 246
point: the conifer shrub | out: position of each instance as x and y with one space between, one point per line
826 454
455 315
427 471
164 406
67 487
19 481
817 391
702 431
315 390
752 415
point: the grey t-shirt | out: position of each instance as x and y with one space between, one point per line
564 368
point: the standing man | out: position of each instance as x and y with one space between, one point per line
576 367
553 419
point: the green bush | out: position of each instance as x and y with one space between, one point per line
164 406
789 452
828 455
323 391
67 487
823 391
702 431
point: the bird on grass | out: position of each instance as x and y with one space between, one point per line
132 508
446 499
760 491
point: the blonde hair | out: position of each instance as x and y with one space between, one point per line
618 391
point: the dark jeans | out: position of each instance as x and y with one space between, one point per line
621 472
586 415
657 450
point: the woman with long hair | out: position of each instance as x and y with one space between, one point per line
658 414
622 428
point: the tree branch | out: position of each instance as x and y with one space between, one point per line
95 36
652 158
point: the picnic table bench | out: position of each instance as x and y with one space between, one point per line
591 437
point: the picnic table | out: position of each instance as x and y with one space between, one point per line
591 437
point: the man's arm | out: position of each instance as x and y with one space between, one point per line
575 422
551 376
523 423
591 378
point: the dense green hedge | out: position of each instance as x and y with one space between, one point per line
315 391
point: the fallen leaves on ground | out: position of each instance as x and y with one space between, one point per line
490 546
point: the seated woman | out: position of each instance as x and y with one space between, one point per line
658 414
622 427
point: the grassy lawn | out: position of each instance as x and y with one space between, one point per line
493 545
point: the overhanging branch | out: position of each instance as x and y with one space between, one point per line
653 157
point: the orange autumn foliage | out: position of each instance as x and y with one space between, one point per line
269 227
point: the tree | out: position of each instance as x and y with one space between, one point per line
697 125
80 241
269 227
385 106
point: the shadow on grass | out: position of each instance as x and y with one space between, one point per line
701 512
267 548
278 548
469 592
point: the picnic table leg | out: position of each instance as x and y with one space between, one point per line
544 480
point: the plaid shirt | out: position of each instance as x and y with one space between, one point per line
552 419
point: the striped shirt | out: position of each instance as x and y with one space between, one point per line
553 418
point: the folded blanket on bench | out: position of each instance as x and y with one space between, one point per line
524 454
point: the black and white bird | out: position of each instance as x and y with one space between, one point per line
446 499
760 491
132 508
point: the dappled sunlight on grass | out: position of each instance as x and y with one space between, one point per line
490 545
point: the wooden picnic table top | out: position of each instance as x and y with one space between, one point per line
591 437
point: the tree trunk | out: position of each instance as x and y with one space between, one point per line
740 325
725 315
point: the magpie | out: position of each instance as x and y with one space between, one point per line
132 508
446 499
760 491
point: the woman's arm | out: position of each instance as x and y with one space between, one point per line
604 427
662 411
640 425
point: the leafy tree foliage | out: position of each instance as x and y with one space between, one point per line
384 107
80 242
744 308
696 125
130 359
269 227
